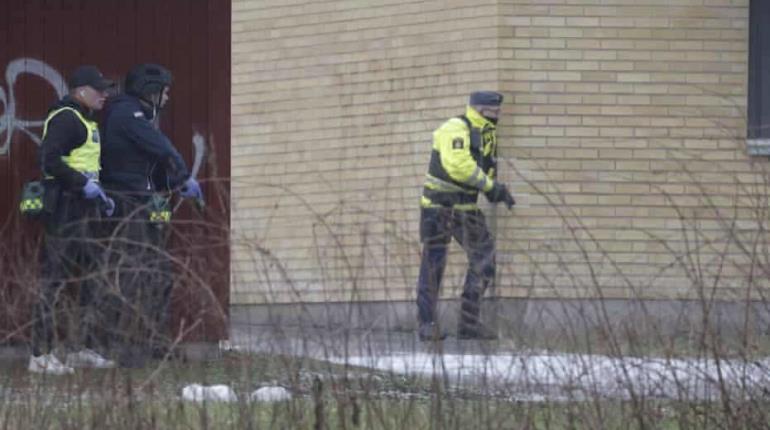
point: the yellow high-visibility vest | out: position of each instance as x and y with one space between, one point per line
84 158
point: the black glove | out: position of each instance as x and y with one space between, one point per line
499 193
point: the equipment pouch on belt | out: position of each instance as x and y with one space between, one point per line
160 210
32 199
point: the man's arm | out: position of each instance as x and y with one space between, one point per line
151 141
453 143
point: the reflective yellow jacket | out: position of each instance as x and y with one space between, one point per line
85 157
463 162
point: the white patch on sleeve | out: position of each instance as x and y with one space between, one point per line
138 114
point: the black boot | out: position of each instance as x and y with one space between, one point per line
430 332
475 330
469 326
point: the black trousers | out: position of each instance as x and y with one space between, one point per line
141 272
437 228
71 256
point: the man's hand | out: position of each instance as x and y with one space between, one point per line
92 190
109 205
499 193
191 189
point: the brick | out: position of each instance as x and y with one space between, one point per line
633 99
563 120
582 21
530 53
548 65
565 54
636 165
633 121
600 99
615 154
598 76
633 77
616 132
582 65
565 98
582 131
584 43
548 21
563 76
586 81
617 65
551 43
547 131
605 54
573 87
565 11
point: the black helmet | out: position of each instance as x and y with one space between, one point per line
146 79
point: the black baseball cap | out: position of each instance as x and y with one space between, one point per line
91 76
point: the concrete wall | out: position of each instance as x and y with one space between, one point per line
622 136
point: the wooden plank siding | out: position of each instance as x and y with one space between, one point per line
192 39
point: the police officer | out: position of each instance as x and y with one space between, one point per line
140 166
74 200
463 163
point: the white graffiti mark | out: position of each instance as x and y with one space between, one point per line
199 144
8 120
9 123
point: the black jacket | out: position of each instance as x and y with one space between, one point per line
136 156
65 133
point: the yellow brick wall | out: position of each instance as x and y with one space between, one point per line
623 130
333 105
627 130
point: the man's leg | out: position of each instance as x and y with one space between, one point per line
135 283
159 292
91 324
52 281
127 273
435 237
472 233
55 272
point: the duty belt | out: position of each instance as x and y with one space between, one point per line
449 198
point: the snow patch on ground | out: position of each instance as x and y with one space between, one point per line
223 393
211 393
533 376
270 394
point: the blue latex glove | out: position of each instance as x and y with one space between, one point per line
109 205
191 189
92 190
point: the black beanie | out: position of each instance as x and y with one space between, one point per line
486 98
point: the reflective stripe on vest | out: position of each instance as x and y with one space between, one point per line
84 158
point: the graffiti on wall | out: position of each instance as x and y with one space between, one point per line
9 122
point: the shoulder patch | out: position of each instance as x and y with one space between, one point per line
458 143
138 114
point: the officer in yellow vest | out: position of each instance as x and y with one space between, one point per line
69 155
462 164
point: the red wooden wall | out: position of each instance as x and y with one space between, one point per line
52 37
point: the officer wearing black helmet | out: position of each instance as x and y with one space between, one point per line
140 168
134 148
